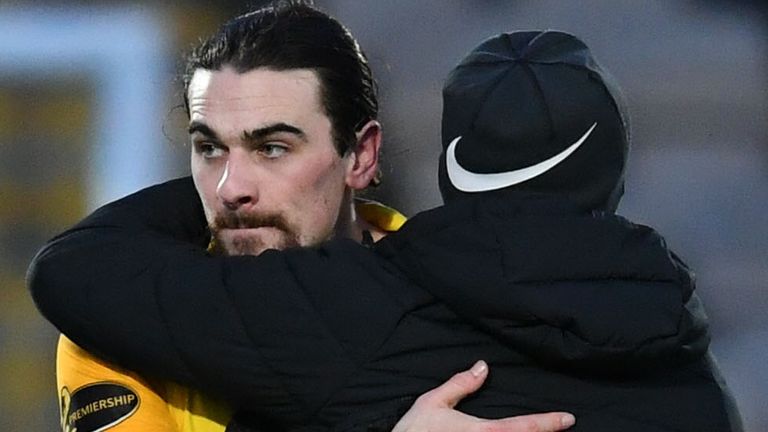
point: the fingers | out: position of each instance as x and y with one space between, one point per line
465 383
549 422
457 387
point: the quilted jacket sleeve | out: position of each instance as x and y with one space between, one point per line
133 284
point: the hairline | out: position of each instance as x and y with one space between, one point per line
321 96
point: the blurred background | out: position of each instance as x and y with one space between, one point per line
89 112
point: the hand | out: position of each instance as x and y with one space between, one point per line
433 411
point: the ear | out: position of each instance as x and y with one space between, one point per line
364 159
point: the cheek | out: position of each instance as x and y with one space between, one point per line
205 182
327 185
319 195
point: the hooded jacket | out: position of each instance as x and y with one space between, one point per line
573 310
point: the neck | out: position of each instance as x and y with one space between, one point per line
351 225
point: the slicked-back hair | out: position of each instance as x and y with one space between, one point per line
295 35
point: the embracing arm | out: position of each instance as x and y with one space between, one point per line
102 261
133 284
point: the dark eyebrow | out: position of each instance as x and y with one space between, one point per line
199 127
263 132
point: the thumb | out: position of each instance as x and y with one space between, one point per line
457 387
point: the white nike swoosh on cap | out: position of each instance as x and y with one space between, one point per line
468 181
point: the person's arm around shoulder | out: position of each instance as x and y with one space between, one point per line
434 410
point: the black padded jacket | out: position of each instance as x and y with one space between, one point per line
584 312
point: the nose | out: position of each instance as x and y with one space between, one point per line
237 187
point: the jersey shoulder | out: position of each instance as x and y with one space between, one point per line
97 395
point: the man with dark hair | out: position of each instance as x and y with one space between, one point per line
282 110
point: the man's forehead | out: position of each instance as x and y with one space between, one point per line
251 98
229 85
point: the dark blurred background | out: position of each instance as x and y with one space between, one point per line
89 112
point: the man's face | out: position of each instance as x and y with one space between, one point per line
263 159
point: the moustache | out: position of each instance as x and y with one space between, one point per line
249 220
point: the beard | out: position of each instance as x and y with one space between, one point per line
232 233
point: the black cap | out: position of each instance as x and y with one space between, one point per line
535 111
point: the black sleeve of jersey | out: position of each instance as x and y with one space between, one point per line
275 333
